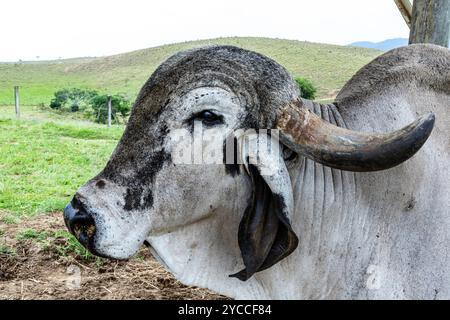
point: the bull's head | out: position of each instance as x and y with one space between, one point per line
180 209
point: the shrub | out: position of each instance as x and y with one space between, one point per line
120 106
55 104
307 88
74 107
60 99
74 99
92 104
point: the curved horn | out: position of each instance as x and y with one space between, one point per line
336 147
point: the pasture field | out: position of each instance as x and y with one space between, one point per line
43 162
327 66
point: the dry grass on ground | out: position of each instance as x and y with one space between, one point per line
34 265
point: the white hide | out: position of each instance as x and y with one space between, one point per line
209 264
358 232
377 235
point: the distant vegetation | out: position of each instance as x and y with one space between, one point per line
120 108
91 104
327 66
307 88
72 99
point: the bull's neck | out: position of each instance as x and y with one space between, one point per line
324 205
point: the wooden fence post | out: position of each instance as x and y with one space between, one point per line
17 101
109 111
430 22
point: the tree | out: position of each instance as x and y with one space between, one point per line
119 105
307 88
72 99
430 22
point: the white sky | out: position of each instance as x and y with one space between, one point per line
72 28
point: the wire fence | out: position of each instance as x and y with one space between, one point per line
17 106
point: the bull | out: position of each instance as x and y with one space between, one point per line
338 208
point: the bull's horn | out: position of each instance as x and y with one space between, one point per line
307 134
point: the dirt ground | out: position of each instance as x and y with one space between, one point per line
32 269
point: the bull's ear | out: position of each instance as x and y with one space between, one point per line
265 234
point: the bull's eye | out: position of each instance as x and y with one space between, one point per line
208 118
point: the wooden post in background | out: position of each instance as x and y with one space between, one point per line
430 22
17 101
109 111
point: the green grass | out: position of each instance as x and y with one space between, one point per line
327 66
6 250
44 113
43 163
10 219
32 234
66 244
60 241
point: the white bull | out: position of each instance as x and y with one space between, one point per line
319 224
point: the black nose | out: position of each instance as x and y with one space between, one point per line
80 223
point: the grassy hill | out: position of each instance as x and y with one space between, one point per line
328 66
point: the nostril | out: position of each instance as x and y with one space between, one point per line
100 184
83 227
80 223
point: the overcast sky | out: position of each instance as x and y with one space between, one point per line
50 29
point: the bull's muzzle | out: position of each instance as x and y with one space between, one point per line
80 223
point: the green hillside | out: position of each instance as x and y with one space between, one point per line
328 66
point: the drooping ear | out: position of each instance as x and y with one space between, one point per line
265 234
